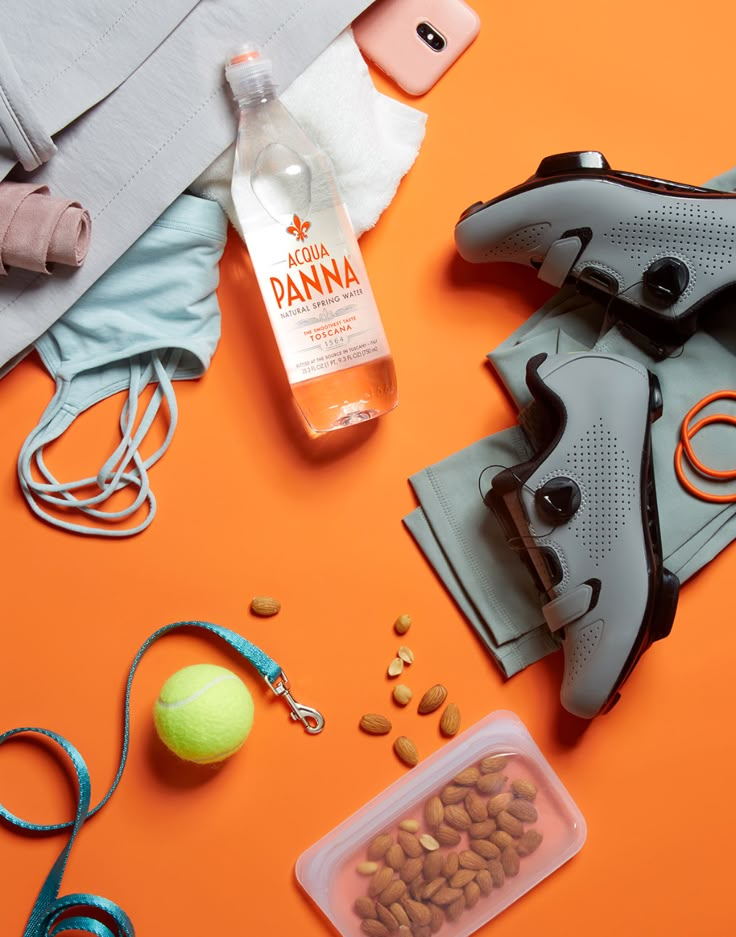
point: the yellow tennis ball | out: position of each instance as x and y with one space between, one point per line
204 713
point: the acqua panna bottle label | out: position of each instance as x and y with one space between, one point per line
316 290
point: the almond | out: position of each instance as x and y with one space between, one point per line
428 842
395 667
461 878
510 861
402 694
400 914
386 917
402 624
467 778
501 839
485 848
379 845
450 864
264 605
528 842
380 880
432 699
367 868
374 928
457 816
524 789
406 654
446 895
484 881
450 720
453 912
447 836
523 810
410 844
418 912
453 794
491 783
498 803
411 869
483 829
406 750
433 865
375 724
416 888
493 763
431 888
434 812
469 859
365 906
394 857
477 807
495 870
472 894
395 890
411 826
509 824
437 918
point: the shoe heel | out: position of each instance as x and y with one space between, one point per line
666 606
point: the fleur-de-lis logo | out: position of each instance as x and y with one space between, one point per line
299 228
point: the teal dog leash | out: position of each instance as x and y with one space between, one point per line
52 915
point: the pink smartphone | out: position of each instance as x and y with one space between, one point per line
415 41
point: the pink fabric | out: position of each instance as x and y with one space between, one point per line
37 230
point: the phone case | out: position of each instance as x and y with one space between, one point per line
389 33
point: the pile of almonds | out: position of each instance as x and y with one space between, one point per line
474 833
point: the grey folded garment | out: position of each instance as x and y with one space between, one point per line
463 541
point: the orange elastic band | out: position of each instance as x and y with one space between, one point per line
684 448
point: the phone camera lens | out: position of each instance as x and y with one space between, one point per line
429 34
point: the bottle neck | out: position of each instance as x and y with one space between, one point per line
257 94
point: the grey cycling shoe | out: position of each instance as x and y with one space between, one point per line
658 251
583 516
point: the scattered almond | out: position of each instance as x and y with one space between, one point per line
386 917
509 824
472 894
484 882
483 829
498 803
431 888
496 872
395 890
450 864
380 880
411 869
418 912
411 826
457 816
406 654
264 605
453 912
375 724
461 878
400 914
469 859
402 624
366 868
528 842
432 699
476 807
432 865
406 750
402 694
395 667
395 857
485 848
450 720
446 895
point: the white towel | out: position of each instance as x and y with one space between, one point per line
372 139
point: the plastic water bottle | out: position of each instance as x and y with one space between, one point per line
306 259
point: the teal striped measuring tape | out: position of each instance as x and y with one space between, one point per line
91 914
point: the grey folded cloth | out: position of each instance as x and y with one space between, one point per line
463 541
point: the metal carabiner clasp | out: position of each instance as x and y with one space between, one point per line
312 719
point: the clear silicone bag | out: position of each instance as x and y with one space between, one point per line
450 844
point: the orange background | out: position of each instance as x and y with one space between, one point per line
248 504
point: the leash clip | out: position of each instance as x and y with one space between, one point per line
312 719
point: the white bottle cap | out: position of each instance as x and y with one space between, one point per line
248 72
